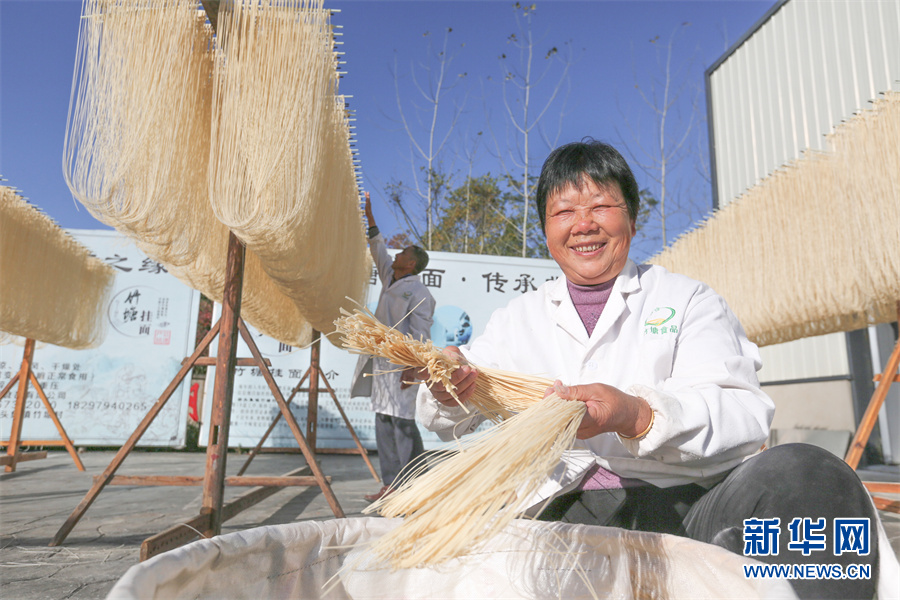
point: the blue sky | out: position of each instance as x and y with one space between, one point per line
611 51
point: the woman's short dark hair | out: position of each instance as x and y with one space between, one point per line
569 164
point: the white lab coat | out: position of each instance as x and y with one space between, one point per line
409 306
664 337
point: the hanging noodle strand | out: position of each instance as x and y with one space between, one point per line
281 171
163 114
136 150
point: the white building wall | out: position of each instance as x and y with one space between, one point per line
806 358
810 66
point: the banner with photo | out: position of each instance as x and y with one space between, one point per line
101 394
467 289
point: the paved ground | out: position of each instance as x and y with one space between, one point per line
40 495
37 499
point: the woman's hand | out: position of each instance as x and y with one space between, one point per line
408 378
608 409
463 378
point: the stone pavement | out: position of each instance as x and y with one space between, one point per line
40 495
37 499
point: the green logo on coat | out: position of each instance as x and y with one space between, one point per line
656 322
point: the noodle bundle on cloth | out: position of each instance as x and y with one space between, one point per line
485 481
51 289
838 269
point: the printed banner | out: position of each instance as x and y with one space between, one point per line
467 289
101 395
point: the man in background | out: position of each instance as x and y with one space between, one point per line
407 305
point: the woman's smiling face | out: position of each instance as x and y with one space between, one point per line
589 231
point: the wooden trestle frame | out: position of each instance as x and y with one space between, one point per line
213 511
23 378
870 417
312 414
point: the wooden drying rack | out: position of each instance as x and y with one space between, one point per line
24 377
213 511
870 417
314 373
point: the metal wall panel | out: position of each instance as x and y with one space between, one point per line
809 66
806 358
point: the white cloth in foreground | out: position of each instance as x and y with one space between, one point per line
528 560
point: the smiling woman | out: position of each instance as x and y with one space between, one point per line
588 209
589 231
674 416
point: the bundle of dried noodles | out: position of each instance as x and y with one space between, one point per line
837 268
137 138
498 394
476 488
53 290
281 172
138 152
472 493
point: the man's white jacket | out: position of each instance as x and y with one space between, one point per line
664 337
408 306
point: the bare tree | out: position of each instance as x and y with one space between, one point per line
433 80
662 96
520 78
470 163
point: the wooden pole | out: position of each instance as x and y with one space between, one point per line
220 420
271 428
9 385
867 424
308 453
312 411
132 441
183 533
362 450
15 436
188 480
66 441
13 456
